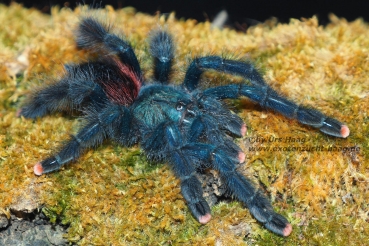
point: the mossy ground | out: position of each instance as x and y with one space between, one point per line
113 196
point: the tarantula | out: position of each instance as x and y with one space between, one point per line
189 128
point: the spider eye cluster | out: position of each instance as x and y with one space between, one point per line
180 106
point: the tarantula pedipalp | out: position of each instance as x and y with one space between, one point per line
182 125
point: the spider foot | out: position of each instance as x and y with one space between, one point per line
243 130
287 230
335 128
205 219
192 192
18 113
201 211
279 225
37 169
345 131
241 157
46 166
263 212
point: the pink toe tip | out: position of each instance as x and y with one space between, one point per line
243 130
205 219
18 113
241 157
345 131
37 169
287 230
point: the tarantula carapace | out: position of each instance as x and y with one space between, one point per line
188 128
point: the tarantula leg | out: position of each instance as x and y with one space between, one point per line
49 99
76 88
162 49
90 135
121 128
227 121
92 34
269 98
97 128
199 65
167 140
190 187
258 205
239 186
83 87
204 126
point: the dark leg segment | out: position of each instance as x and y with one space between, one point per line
259 92
171 148
227 121
77 88
258 205
97 128
199 65
49 99
206 129
92 34
162 49
269 98
190 186
239 186
90 135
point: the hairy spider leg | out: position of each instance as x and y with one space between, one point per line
166 141
99 125
80 84
239 186
216 154
49 99
201 64
162 49
260 92
204 126
227 121
77 87
93 34
269 98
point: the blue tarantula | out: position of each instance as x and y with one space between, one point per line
189 128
